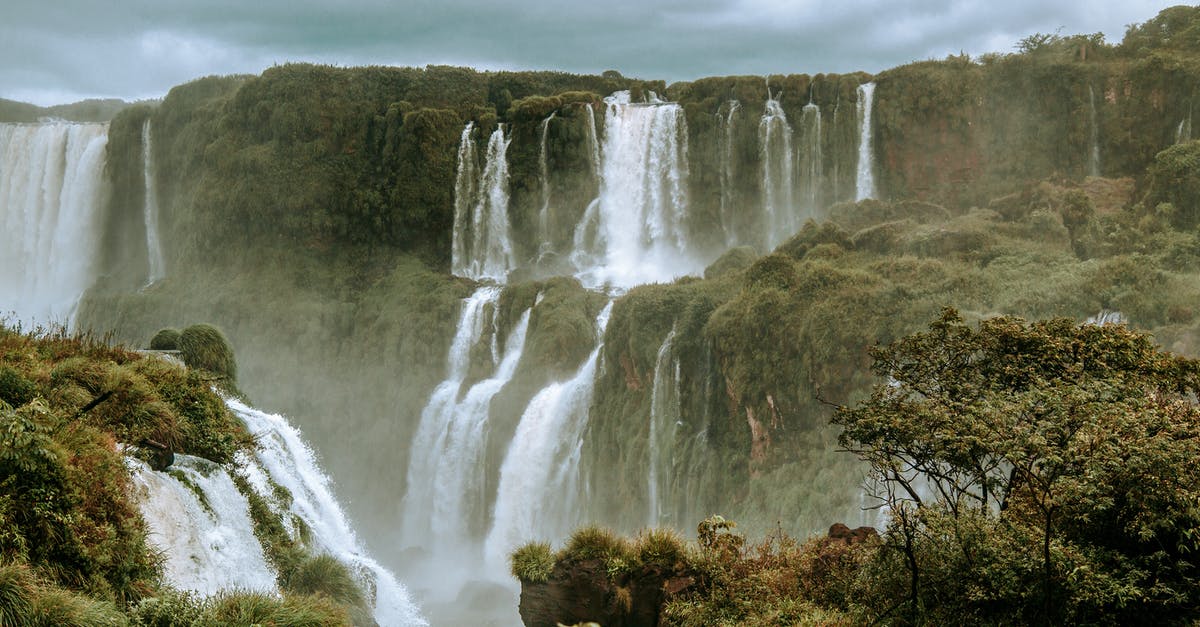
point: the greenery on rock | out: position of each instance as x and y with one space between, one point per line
73 547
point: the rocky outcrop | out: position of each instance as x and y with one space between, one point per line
583 591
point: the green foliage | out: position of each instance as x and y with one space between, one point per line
55 607
598 543
165 340
1174 178
533 562
15 389
659 546
1067 437
204 346
17 589
169 608
255 608
325 575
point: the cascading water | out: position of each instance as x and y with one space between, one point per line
544 167
725 154
811 162
482 245
154 254
208 545
50 217
539 489
1093 135
865 181
775 141
637 231
284 458
664 415
445 481
1183 132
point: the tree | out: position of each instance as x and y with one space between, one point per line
1083 440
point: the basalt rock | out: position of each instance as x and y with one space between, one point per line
583 591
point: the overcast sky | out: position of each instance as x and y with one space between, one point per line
55 51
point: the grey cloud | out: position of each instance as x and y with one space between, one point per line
141 48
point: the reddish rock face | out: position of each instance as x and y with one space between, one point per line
582 591
841 532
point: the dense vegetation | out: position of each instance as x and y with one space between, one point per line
73 550
307 211
1032 473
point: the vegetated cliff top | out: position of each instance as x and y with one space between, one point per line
74 548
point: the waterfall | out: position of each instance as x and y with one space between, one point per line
1094 135
639 223
544 168
208 545
50 217
482 246
283 457
865 182
811 162
664 415
540 489
593 143
1183 132
775 140
725 154
445 493
154 254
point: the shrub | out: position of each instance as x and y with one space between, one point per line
533 562
594 542
165 340
169 608
55 607
15 389
17 587
324 574
204 347
660 546
249 608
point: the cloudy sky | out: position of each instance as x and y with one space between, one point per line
54 51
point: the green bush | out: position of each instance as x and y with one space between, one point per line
17 589
165 340
533 562
257 608
204 347
169 608
324 574
15 389
660 546
55 607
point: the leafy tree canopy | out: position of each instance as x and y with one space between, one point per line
1034 472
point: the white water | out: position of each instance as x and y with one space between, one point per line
482 244
284 456
1183 132
154 254
205 550
51 195
1093 135
664 416
544 167
637 231
725 154
775 141
539 496
865 181
445 477
811 164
